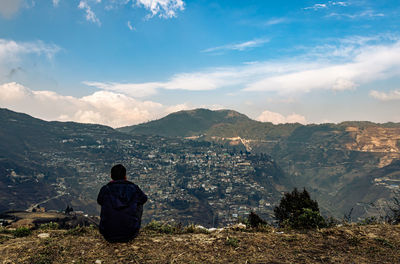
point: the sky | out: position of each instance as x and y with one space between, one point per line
125 62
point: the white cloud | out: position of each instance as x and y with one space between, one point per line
364 14
196 81
179 107
13 55
12 50
339 3
134 90
239 46
316 7
56 2
13 92
326 5
90 15
382 96
276 118
344 84
8 8
344 67
275 21
162 8
131 28
102 107
369 64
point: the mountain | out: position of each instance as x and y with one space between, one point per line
219 166
186 123
29 147
324 158
55 164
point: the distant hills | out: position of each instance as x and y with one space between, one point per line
55 164
28 146
325 158
229 123
344 166
187 123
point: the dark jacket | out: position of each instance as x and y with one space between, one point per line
121 210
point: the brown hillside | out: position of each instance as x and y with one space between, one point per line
348 244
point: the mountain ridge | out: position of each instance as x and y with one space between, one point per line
38 157
322 157
226 123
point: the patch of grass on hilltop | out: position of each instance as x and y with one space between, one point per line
166 228
49 226
18 232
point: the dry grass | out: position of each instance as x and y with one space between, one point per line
349 244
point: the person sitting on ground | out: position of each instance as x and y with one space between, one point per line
121 207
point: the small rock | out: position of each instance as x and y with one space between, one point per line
213 229
98 261
239 226
44 235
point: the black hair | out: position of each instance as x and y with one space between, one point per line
118 172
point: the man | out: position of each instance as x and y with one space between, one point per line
121 207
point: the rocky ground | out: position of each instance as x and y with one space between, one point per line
345 244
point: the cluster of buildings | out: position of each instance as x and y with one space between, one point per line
186 181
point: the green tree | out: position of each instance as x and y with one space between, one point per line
299 211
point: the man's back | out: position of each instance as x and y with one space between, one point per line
121 210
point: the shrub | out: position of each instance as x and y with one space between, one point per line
77 231
393 216
192 228
309 219
51 225
254 220
369 221
231 241
153 225
163 228
332 222
22 232
297 210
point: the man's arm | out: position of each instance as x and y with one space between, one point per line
100 197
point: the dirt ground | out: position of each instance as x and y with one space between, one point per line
346 244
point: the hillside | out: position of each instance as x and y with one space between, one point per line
325 158
238 165
27 147
55 164
346 244
186 123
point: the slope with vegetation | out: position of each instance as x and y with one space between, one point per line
325 158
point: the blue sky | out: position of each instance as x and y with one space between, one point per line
123 62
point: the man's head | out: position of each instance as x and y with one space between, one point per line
118 172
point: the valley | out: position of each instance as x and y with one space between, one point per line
219 165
